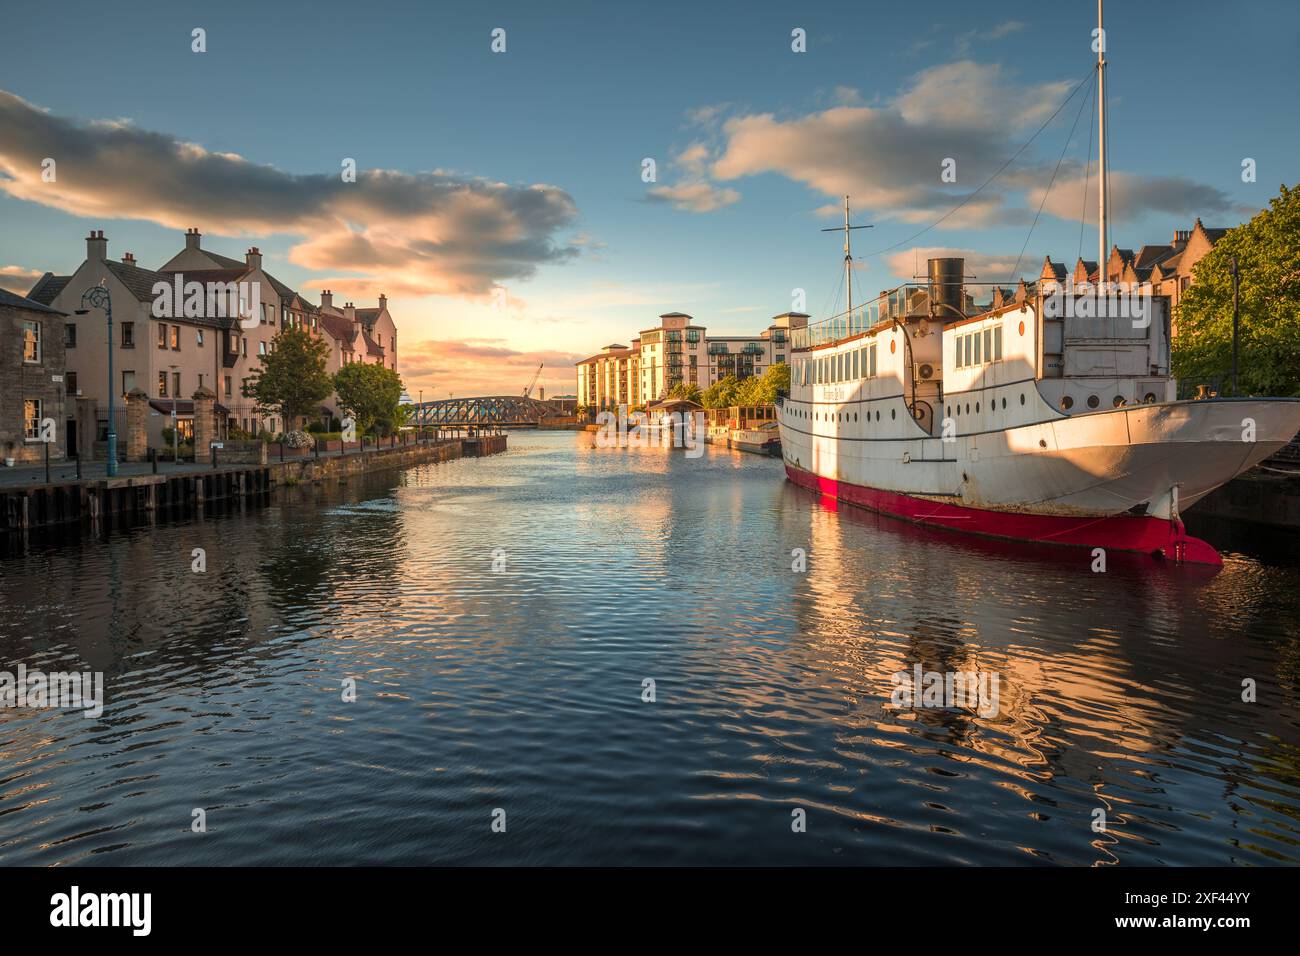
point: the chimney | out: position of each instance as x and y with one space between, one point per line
326 299
383 302
128 259
96 246
254 258
350 312
192 237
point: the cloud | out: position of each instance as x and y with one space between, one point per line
17 279
1133 196
482 367
694 193
422 233
889 158
980 266
694 197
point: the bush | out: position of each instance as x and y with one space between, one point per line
299 440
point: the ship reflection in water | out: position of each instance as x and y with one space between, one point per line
1119 694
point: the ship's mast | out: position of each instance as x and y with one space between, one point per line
1101 146
848 252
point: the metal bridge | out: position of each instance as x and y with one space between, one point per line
489 411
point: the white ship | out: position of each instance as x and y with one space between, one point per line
1053 418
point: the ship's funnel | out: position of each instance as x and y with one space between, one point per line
947 277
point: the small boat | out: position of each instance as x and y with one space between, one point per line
763 440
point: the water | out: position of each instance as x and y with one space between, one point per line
522 690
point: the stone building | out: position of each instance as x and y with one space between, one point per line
33 346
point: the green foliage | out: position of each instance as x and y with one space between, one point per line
687 391
754 390
292 380
372 393
1268 256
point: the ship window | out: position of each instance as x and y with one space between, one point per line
856 363
948 411
976 348
893 413
1093 401
877 416
997 346
855 416
1067 403
1004 403
1149 397
988 345
977 406
967 350
1118 401
873 361
1022 398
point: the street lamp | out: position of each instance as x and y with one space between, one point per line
176 425
97 297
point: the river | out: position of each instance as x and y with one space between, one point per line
574 655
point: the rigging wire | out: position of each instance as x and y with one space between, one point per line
1014 156
1051 182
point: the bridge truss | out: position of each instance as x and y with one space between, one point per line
493 410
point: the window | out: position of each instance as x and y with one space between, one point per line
228 392
128 381
162 335
70 335
873 361
200 379
128 335
997 343
162 384
198 337
31 342
176 338
857 363
32 419
176 384
1093 401
976 352
243 346
261 348
72 383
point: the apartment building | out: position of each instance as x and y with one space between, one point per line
678 350
32 379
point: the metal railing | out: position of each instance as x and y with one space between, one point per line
909 298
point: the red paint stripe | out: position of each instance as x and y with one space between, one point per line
1142 533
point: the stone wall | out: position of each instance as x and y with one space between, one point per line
20 382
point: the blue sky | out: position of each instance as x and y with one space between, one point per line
752 143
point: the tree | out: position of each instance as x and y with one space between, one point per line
1268 259
292 380
685 390
722 393
372 393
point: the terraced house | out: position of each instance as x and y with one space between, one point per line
169 346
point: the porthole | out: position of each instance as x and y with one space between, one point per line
893 413
1093 401
959 411
855 418
892 346
877 415
1067 403
1149 397
1004 402
1022 398
977 408
1022 328
968 408
948 411
1118 402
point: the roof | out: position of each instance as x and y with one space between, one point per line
224 261
48 287
674 315
281 289
139 282
15 301
372 347
338 327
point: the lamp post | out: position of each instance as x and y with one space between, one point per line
97 297
176 425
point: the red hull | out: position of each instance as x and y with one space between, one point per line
1145 534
